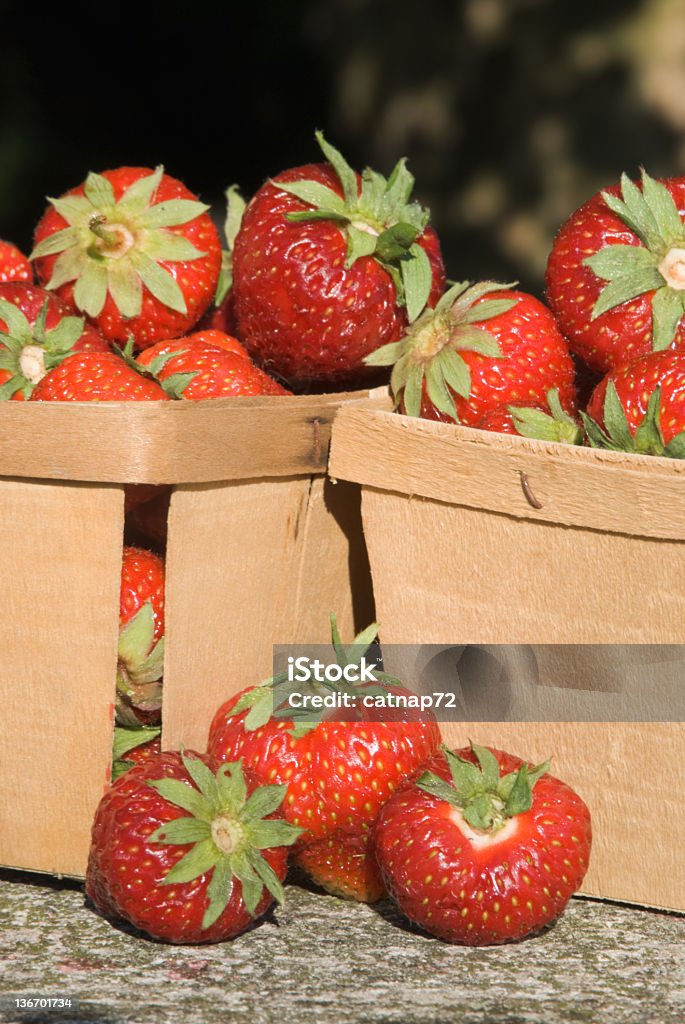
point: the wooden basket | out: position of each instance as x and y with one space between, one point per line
261 547
482 538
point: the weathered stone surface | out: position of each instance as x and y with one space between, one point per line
320 959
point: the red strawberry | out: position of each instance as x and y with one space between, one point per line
339 773
134 746
616 273
187 855
343 864
195 370
133 250
141 637
483 346
212 337
640 406
96 377
327 266
483 849
14 266
37 331
545 422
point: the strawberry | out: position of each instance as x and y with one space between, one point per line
96 377
483 848
37 331
546 423
134 250
482 346
134 746
14 266
141 637
327 266
338 773
187 853
194 370
640 406
616 273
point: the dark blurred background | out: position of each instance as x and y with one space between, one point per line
511 112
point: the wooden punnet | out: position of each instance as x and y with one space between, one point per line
261 548
479 538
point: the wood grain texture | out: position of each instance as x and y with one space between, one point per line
630 775
607 491
168 442
251 564
59 594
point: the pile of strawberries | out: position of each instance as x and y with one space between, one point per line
332 280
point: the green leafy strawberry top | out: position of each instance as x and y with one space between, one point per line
116 246
616 435
429 353
28 352
485 799
556 425
228 830
378 221
657 265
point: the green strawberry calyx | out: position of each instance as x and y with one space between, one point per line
235 208
378 220
127 739
228 830
485 798
616 434
657 265
556 425
270 698
29 352
115 247
429 353
140 665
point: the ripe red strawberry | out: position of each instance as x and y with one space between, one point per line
134 746
185 854
14 266
640 406
482 848
194 370
37 331
544 422
97 377
327 266
339 773
616 273
133 250
141 637
482 346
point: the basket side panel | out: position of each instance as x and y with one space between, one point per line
447 574
59 594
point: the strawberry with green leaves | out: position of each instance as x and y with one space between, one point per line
188 852
484 345
339 773
141 637
134 746
191 369
544 423
483 848
14 266
133 250
616 273
327 266
37 332
640 407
